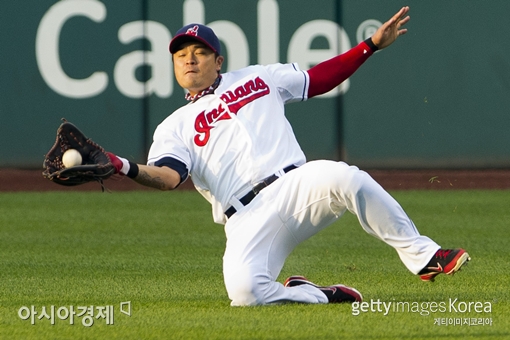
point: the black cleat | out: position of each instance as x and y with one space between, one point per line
336 294
447 261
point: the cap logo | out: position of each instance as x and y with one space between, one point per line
198 32
193 31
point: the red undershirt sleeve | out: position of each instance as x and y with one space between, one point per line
328 74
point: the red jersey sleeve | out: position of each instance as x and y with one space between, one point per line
328 74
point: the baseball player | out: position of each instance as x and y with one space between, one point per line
235 143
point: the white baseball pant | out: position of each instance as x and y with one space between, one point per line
304 201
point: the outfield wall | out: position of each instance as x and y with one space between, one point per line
437 98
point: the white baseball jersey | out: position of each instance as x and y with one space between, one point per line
237 136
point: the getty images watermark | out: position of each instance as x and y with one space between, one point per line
446 313
88 314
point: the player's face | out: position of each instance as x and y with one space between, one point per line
196 66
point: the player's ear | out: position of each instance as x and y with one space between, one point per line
219 62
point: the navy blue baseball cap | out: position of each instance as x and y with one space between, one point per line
195 32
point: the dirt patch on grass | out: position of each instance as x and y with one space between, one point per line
429 179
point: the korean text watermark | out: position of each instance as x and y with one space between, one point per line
451 312
88 314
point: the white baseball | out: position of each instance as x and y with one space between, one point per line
71 158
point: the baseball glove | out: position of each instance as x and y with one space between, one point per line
96 165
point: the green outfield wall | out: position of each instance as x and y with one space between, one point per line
439 97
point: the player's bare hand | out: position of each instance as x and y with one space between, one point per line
391 29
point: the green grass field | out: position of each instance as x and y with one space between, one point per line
162 253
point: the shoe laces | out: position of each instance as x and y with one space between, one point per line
441 253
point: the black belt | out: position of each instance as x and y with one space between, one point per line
246 199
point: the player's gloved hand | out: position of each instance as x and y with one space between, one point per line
95 164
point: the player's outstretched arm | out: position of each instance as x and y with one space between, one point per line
391 29
162 178
328 74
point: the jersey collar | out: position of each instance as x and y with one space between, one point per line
202 93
